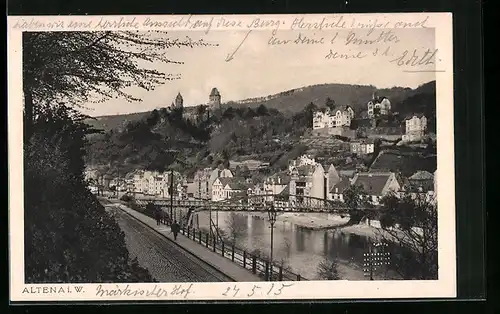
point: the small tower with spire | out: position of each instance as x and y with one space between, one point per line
179 101
214 99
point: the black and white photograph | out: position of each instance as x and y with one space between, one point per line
232 149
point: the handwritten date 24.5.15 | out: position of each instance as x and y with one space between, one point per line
256 290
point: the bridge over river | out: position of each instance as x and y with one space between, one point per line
258 203
301 249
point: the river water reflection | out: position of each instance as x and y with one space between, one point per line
302 249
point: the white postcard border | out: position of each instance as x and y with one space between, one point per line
444 287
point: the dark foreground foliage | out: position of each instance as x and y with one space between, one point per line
69 237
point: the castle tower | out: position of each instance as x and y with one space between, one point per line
214 99
179 101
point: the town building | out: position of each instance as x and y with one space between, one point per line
336 192
138 177
204 180
333 176
415 127
129 181
153 183
377 184
312 181
340 116
275 184
421 182
92 174
224 188
214 99
300 183
202 184
319 186
304 160
378 106
171 178
362 147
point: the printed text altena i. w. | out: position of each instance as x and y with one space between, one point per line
49 290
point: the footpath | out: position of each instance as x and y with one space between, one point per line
222 264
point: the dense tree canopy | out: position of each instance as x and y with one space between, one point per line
69 237
75 66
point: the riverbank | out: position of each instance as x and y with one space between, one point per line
362 230
312 221
373 233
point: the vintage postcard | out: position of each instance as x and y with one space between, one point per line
231 157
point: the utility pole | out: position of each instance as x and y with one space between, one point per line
375 258
172 194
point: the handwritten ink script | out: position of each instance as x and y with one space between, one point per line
221 23
182 291
257 290
339 38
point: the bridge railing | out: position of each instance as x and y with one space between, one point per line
251 261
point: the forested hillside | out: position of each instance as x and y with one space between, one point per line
203 138
294 101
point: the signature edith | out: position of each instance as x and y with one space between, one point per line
416 58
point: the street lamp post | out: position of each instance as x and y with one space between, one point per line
272 219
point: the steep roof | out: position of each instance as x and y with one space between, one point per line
214 92
284 178
237 184
224 181
341 108
415 185
422 175
372 183
410 116
285 191
379 99
342 185
364 141
305 170
130 175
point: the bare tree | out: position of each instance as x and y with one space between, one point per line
355 198
410 222
236 225
328 269
90 67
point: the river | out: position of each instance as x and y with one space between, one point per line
297 247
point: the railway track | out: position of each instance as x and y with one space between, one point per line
166 261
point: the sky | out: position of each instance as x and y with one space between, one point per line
259 69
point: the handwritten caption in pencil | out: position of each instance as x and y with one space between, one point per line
341 37
187 291
257 290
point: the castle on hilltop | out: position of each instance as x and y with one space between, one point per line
178 102
214 99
